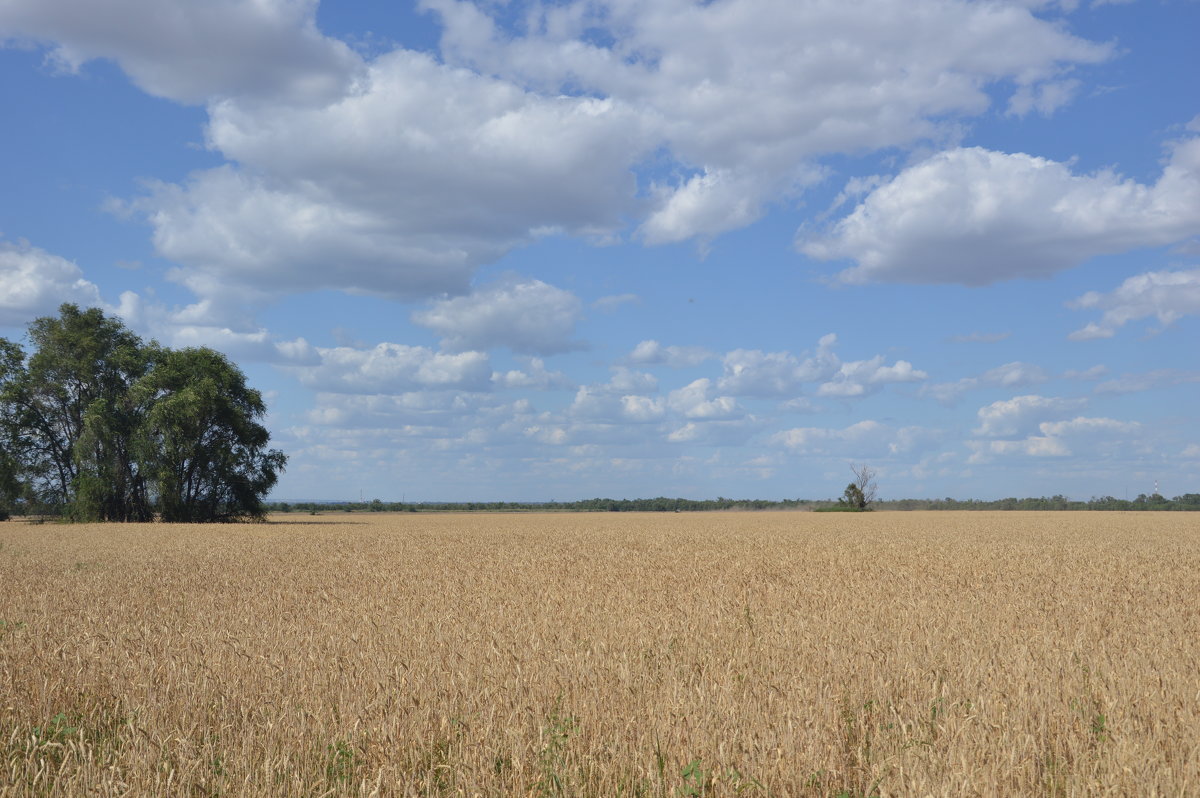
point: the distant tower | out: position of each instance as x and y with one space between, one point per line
1156 487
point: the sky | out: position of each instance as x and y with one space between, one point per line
546 251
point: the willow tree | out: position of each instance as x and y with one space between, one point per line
77 381
201 441
106 427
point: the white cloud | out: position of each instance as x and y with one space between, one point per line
1078 436
535 375
1167 296
692 401
801 404
652 353
396 368
1016 416
1014 375
1094 373
221 326
973 216
401 174
1033 446
1009 375
685 434
626 381
724 433
527 316
34 282
862 377
642 408
744 93
193 50
709 204
408 411
752 372
608 304
1191 450
622 398
402 187
1045 98
864 437
1146 381
1081 426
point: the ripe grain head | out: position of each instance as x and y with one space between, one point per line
604 654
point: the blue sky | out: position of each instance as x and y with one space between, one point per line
549 251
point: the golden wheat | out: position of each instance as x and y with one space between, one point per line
610 654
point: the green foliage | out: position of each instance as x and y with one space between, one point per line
200 439
10 487
696 780
340 762
853 498
552 758
103 427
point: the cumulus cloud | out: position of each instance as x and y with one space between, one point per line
1080 435
642 408
193 50
535 375
399 175
527 316
598 405
752 372
862 377
744 93
1016 416
411 412
692 401
396 368
1146 381
862 439
1096 372
401 187
758 374
973 216
34 282
1044 98
1167 296
725 433
652 353
626 381
623 398
709 204
221 326
1009 375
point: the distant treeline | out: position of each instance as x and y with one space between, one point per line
1188 501
662 504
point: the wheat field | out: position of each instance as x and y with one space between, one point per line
782 654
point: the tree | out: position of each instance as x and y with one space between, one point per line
10 487
11 366
861 492
101 426
201 441
75 382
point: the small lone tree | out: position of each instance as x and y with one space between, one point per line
861 492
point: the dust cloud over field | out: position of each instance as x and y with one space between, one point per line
777 654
